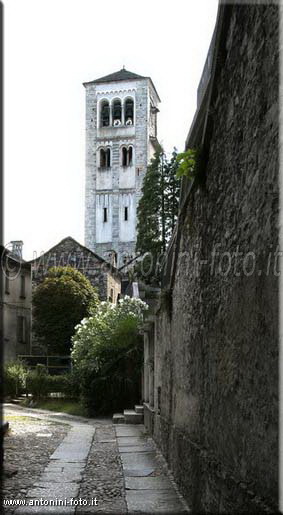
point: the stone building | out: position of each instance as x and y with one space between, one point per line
121 138
68 252
15 302
211 348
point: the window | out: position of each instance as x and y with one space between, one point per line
104 158
126 214
127 156
105 214
124 156
21 329
105 114
117 112
129 111
108 155
7 281
130 156
23 287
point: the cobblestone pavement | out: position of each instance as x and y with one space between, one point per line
112 469
103 477
27 448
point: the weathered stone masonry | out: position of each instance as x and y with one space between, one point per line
68 252
214 410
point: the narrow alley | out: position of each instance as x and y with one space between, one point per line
64 464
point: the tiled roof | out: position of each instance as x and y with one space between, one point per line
117 76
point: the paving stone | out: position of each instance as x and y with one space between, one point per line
131 440
138 472
136 448
55 465
29 510
127 430
76 459
26 452
99 467
148 483
155 501
132 460
54 491
65 476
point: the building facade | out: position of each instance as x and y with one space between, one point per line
121 138
15 304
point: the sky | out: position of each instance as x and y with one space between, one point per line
51 48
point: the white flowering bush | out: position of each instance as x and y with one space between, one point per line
107 354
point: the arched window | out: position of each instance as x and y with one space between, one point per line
102 162
117 112
108 158
130 156
105 114
129 111
124 156
127 156
105 158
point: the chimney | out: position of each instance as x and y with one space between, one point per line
17 248
113 258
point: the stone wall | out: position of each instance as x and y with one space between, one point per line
216 340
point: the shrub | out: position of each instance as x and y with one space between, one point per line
40 384
66 384
14 378
107 354
37 382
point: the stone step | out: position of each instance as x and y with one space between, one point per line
118 418
131 417
139 409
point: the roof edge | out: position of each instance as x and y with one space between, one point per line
92 82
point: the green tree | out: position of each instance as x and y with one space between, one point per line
149 208
171 194
157 213
60 302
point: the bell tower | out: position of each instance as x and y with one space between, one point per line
121 138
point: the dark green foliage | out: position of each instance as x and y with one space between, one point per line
172 194
157 214
107 356
66 384
117 384
37 382
40 384
149 209
63 299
